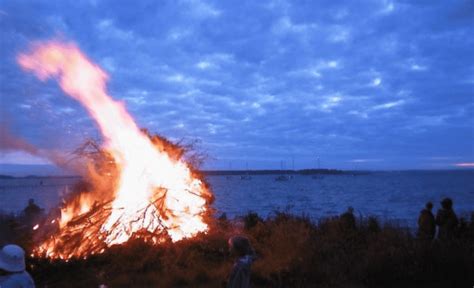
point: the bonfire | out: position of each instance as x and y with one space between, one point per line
140 185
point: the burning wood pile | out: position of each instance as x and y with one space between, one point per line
141 186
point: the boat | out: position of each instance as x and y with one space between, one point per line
282 178
247 175
318 176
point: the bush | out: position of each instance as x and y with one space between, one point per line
292 252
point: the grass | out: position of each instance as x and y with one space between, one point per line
293 251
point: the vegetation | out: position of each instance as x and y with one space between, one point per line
293 251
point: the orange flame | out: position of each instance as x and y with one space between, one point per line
146 171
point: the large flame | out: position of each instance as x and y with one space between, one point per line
153 192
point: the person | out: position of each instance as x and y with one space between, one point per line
348 220
426 223
12 268
240 247
446 219
32 208
32 212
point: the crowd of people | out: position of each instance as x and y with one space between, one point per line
446 220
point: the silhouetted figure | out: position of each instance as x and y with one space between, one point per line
373 225
12 268
32 212
348 220
240 247
32 208
446 219
426 223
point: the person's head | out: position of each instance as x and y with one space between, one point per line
429 206
12 258
447 203
240 246
31 201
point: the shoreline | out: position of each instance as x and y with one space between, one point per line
225 172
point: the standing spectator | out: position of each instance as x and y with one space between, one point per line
32 213
446 219
426 223
348 220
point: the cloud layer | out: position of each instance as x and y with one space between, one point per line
369 85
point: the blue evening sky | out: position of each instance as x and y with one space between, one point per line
361 84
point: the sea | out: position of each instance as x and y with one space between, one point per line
396 196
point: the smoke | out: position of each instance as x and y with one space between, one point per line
10 143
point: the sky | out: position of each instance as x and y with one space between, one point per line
265 84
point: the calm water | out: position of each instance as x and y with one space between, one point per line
389 195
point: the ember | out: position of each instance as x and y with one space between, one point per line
148 190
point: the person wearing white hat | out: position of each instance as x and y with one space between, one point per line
12 268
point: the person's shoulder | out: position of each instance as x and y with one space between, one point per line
425 212
240 266
453 214
27 275
24 279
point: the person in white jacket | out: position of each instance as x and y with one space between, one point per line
12 268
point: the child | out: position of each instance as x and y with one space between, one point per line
240 247
12 268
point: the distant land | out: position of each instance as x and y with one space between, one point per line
220 172
279 172
8 171
37 176
21 170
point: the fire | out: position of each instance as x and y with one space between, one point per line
154 191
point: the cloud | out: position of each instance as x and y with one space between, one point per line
286 25
465 165
365 80
388 7
331 102
202 9
416 67
365 160
388 105
339 34
376 82
107 29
